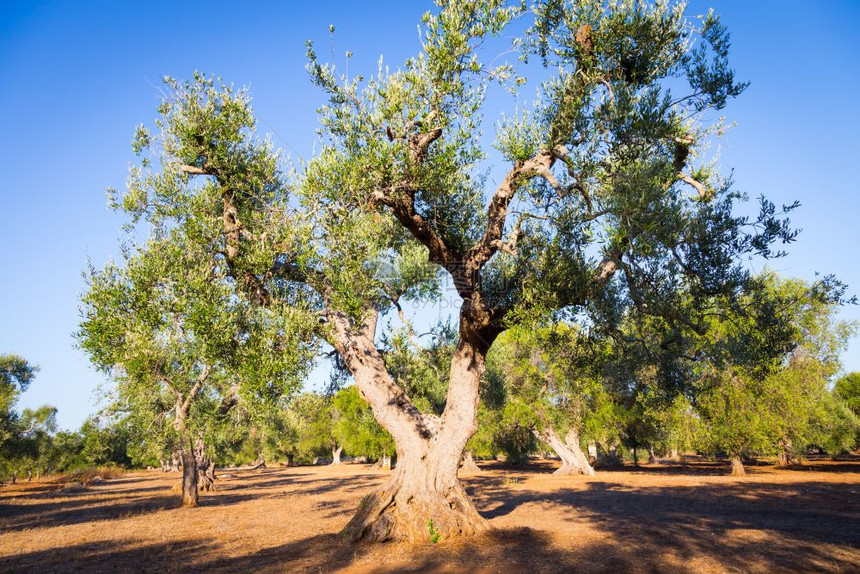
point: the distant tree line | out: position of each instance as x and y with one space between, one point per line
765 385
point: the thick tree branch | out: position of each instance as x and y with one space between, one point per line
198 384
194 170
497 212
401 201
704 192
419 144
391 406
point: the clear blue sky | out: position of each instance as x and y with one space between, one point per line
78 76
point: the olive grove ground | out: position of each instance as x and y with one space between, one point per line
659 517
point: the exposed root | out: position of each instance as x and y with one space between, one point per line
567 468
395 512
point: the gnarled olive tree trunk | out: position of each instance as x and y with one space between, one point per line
186 455
468 465
787 455
173 464
336 451
205 467
186 446
738 466
189 473
423 499
573 460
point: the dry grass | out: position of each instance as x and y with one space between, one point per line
85 476
677 518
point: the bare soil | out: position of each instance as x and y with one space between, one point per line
667 518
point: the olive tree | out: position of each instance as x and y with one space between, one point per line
16 374
171 331
607 201
545 369
765 369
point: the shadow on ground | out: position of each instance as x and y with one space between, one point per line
803 525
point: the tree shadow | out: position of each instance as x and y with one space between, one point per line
66 512
513 549
609 526
105 502
734 523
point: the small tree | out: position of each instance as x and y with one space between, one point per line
31 446
16 374
170 329
547 369
737 418
311 415
765 371
848 389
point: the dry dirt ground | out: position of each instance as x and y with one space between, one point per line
689 518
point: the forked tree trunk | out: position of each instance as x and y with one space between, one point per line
652 458
335 454
673 454
573 460
468 465
738 467
423 499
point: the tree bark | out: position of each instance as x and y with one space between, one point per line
674 455
786 454
423 499
652 458
189 474
172 464
573 460
737 467
468 465
205 467
335 454
186 449
186 455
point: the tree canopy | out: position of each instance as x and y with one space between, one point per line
610 209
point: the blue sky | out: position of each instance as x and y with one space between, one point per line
78 76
